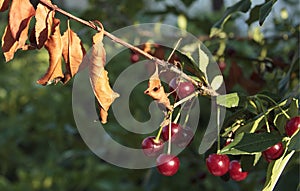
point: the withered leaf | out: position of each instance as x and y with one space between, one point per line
54 48
9 44
4 5
157 92
99 77
20 14
44 21
73 53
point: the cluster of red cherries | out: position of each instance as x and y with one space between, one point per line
168 164
217 164
220 164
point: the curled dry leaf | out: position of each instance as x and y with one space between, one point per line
20 14
4 5
9 44
43 26
73 53
16 32
99 77
54 47
157 92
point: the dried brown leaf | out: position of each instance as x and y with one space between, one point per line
20 14
9 44
54 48
99 77
73 53
44 21
4 5
157 92
16 33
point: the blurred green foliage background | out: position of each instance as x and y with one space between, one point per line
40 147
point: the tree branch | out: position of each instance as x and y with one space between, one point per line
130 46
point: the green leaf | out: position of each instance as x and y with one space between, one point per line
293 108
251 143
275 169
228 100
279 121
242 6
265 11
203 61
254 14
190 65
249 161
252 125
295 142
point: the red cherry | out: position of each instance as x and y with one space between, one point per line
217 164
151 147
183 89
274 152
167 164
184 137
175 129
292 126
235 171
134 58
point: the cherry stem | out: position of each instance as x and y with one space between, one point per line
178 115
158 134
115 39
218 128
170 129
174 49
254 105
195 94
167 116
188 113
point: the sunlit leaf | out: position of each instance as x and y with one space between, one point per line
20 14
203 61
53 45
4 5
73 53
44 21
275 169
228 100
157 92
99 77
9 44
16 33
